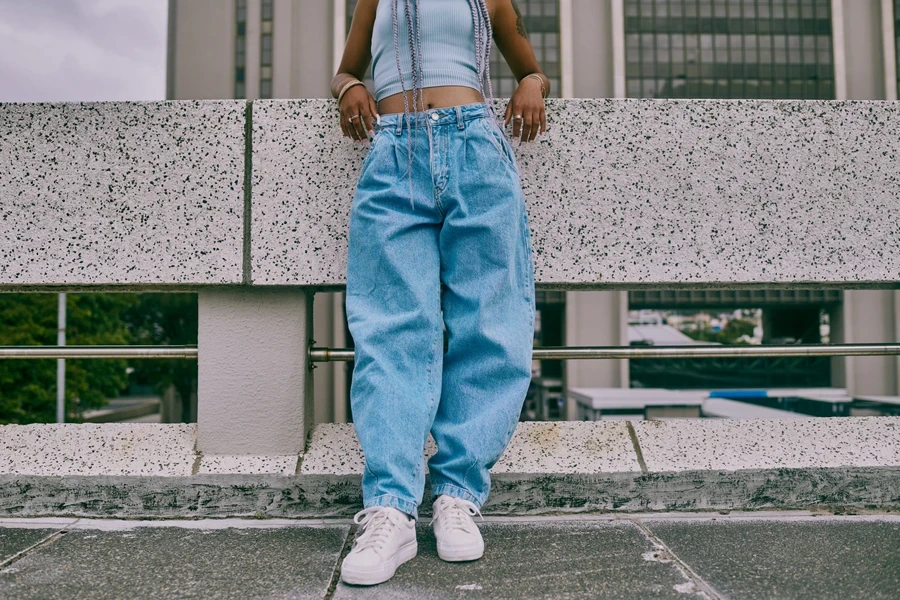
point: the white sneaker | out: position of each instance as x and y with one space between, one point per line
458 537
388 540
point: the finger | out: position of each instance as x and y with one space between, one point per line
367 121
508 115
534 125
543 120
373 109
343 120
517 126
356 127
526 126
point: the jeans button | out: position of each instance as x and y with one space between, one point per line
434 116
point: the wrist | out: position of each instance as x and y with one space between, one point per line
540 80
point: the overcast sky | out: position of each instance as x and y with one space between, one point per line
61 50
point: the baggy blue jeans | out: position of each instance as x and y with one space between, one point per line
457 253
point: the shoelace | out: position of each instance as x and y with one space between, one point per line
378 524
454 512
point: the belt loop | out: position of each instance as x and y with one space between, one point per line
460 124
398 129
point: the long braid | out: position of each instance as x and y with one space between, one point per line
406 115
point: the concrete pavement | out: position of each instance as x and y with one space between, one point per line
652 555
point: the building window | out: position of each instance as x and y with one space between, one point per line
778 49
266 48
541 19
240 47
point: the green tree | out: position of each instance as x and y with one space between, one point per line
162 320
730 335
28 387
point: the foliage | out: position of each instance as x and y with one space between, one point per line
730 335
162 320
28 387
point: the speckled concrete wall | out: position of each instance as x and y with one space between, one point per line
620 193
629 192
153 470
121 193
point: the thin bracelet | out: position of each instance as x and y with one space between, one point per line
350 84
539 78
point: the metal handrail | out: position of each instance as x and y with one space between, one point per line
98 352
693 351
540 353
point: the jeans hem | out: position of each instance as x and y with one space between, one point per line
456 492
394 502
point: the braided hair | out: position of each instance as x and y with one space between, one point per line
484 34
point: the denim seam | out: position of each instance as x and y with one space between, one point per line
431 371
528 273
397 500
466 475
458 492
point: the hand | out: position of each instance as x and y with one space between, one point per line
527 103
358 112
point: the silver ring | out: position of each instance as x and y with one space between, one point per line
353 117
517 117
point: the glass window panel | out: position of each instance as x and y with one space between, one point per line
760 48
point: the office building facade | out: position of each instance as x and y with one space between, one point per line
798 49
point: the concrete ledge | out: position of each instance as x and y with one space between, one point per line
668 193
108 449
121 193
742 444
146 470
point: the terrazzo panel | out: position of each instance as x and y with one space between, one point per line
108 449
535 448
626 192
121 193
740 444
235 464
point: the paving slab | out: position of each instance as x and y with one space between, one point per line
164 563
13 540
536 560
813 557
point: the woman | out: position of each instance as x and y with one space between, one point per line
457 254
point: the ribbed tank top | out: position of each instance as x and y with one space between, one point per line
447 34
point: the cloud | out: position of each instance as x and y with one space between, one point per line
82 50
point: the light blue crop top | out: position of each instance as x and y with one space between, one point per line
447 34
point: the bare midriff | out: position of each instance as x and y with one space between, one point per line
434 97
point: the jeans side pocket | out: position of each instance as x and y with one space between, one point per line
499 137
371 152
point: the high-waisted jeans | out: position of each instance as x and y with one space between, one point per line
457 253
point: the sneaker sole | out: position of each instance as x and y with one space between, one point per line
385 572
461 554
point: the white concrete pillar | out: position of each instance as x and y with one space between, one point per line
595 319
859 49
255 386
869 316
